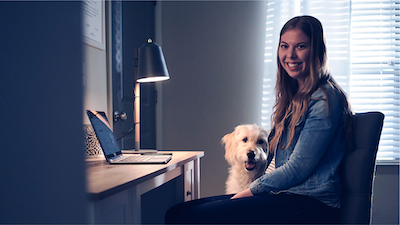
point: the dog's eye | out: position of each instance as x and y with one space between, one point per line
260 142
245 139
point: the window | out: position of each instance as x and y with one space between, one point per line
374 76
363 52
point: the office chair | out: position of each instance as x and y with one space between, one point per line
358 169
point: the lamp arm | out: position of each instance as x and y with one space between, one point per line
136 104
136 118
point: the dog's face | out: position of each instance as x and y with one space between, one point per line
246 146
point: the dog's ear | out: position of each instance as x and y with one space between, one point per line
224 139
227 141
262 130
265 134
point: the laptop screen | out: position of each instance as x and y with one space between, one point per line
104 133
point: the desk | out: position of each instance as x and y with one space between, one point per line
116 191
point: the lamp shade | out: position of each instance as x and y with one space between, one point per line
151 65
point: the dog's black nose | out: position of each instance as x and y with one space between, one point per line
251 155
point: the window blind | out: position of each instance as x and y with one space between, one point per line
374 68
363 52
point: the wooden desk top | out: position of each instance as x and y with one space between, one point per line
104 179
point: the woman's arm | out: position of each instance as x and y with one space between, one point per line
244 193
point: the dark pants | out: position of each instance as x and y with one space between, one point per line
270 209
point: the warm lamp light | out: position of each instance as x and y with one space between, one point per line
151 67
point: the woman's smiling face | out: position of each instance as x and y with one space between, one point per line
294 54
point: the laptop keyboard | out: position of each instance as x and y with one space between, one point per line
133 158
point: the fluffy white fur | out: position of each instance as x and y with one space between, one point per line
245 151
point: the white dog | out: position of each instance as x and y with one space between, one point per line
245 151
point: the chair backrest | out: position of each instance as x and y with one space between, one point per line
358 169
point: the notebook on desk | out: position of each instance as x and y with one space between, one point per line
110 148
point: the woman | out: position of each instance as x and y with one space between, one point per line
307 140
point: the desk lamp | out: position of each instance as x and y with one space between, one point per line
151 67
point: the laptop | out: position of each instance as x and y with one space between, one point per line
110 148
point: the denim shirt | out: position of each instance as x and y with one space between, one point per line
309 166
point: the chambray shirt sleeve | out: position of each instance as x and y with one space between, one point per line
319 127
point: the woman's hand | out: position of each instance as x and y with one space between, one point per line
244 193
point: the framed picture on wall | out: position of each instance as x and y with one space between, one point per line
94 23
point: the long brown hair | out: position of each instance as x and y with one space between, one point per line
291 103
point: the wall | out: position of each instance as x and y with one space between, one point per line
385 204
214 52
42 168
95 81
